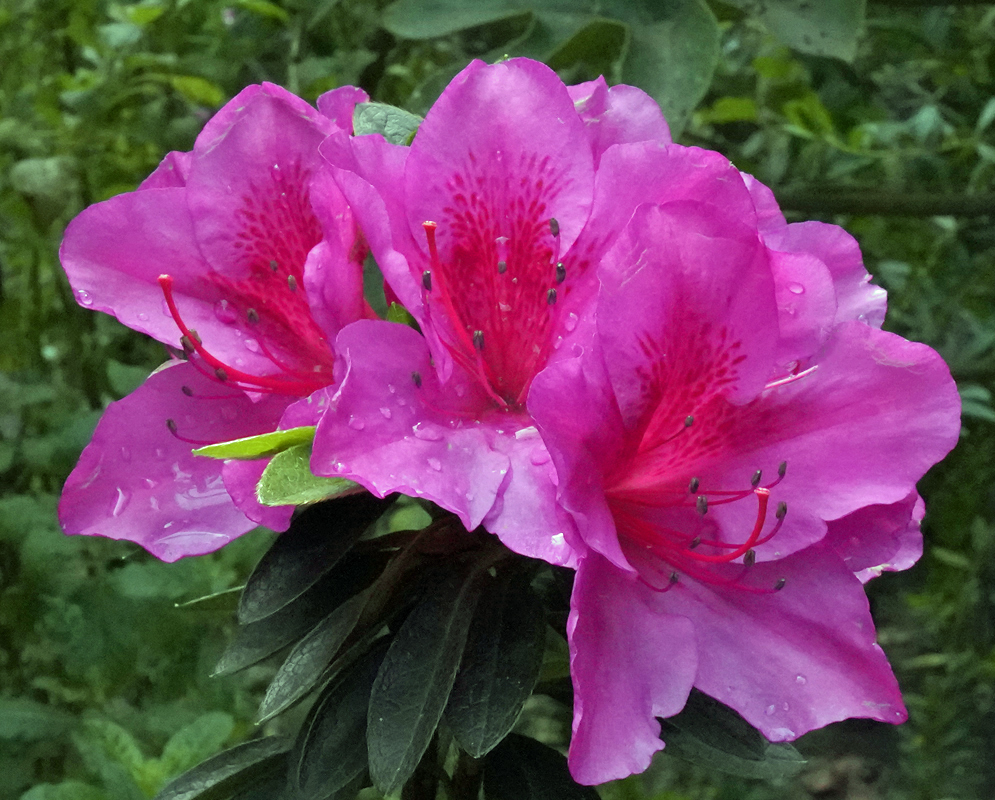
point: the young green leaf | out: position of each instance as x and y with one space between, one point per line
288 480
395 124
265 444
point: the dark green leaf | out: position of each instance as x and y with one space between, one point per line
316 540
229 772
599 48
416 677
501 663
194 742
709 733
261 446
303 668
27 720
521 768
288 480
427 19
331 746
395 124
257 640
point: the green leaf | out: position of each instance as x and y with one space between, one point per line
198 90
223 775
193 743
709 733
25 720
261 446
398 313
317 539
303 668
395 124
823 28
598 48
111 752
416 677
67 790
288 480
264 9
331 745
521 768
501 663
427 19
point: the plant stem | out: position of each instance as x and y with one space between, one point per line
466 778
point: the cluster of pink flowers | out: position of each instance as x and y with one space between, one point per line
626 362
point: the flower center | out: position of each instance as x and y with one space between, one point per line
500 296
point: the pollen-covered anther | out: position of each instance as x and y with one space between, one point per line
292 283
561 272
782 510
701 504
551 297
416 379
750 557
780 584
554 227
782 469
755 480
688 421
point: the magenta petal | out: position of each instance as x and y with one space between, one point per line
792 660
137 481
687 303
171 173
617 115
806 305
338 105
519 139
390 435
879 538
630 661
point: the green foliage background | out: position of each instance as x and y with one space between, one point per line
881 119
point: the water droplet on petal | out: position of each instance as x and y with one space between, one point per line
84 298
796 288
252 346
391 388
386 412
460 390
770 710
426 431
801 679
143 317
570 323
120 502
225 313
435 464
356 423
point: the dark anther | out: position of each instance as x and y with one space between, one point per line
782 509
694 543
416 379
551 297
502 267
171 424
750 557
782 468
426 280
561 272
220 374
674 577
252 315
274 266
693 486
292 283
478 340
755 480
688 421
186 344
701 504
780 584
554 227
187 391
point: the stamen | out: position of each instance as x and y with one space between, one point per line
220 374
426 280
252 315
750 557
782 510
780 584
274 266
688 421
702 504
790 378
171 424
693 486
292 283
416 379
551 297
561 272
502 267
782 468
187 391
755 480
478 340
694 543
554 227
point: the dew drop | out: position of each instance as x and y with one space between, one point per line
391 388
558 343
427 432
770 710
796 288
120 502
252 346
801 679
539 456
84 298
460 390
435 464
356 423
143 317
570 323
150 483
225 313
165 309
385 411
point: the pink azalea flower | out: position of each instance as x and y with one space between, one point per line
488 229
236 253
738 449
